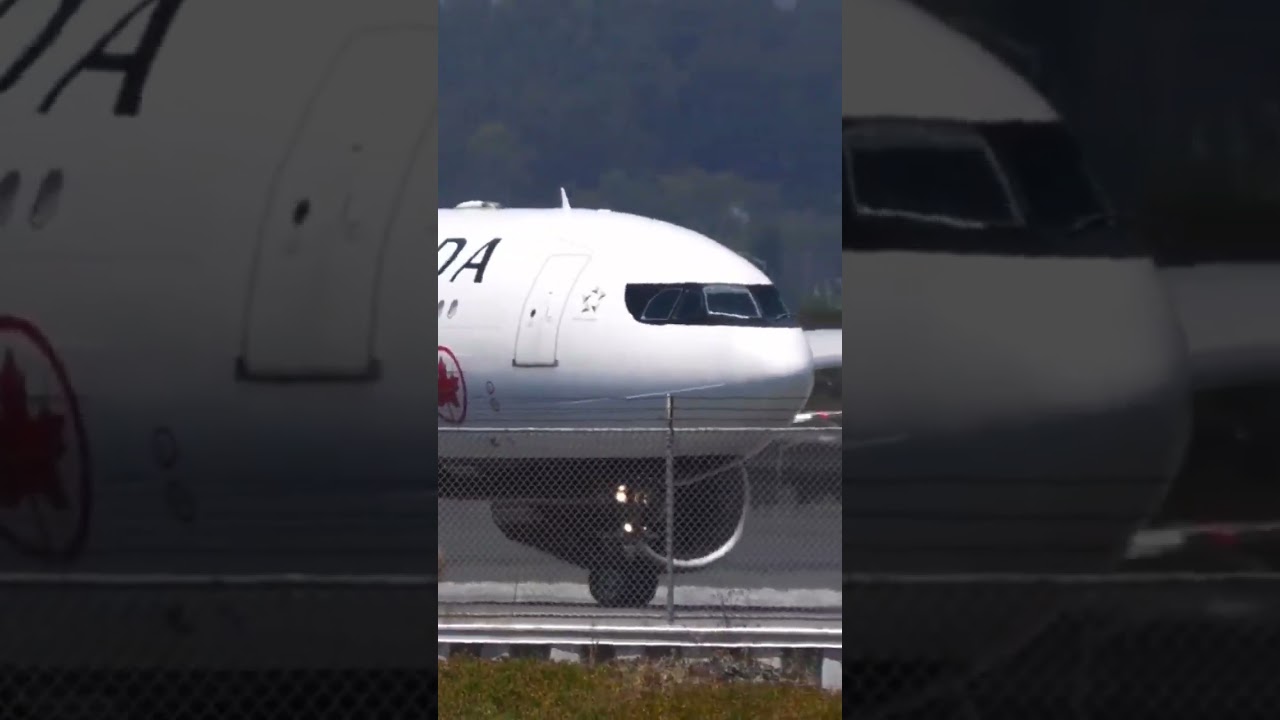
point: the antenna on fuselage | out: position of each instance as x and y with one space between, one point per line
564 200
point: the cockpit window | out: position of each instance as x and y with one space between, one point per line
938 173
950 175
733 301
708 304
1044 164
692 309
659 308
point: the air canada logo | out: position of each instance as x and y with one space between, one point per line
451 388
44 456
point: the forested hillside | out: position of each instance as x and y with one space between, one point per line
715 114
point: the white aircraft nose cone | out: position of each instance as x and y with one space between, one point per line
776 371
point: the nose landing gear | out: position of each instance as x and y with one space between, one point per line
628 577
629 582
618 532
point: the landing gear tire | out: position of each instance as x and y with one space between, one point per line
624 585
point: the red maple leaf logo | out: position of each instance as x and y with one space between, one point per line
446 387
31 444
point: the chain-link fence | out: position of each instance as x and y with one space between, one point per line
579 519
1121 646
137 647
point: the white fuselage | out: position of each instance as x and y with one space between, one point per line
225 254
231 275
536 331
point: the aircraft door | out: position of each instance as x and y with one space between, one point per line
312 299
539 331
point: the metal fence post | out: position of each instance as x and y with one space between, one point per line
671 509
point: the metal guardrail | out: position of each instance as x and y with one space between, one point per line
546 633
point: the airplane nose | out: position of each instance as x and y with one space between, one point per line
775 372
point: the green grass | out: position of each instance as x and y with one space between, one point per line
471 688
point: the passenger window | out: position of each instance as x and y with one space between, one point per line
931 172
660 307
48 199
